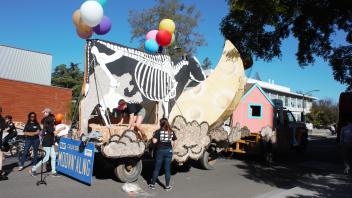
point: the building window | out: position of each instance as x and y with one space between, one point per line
286 101
293 102
299 105
255 111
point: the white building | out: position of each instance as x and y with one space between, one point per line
25 65
291 100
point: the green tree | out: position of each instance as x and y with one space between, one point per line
71 78
206 63
323 113
257 28
186 18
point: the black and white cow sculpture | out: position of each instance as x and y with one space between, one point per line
115 72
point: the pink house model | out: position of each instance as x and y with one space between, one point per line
255 109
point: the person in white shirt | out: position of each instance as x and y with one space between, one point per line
346 142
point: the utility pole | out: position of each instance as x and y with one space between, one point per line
304 94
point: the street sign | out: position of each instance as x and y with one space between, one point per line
74 163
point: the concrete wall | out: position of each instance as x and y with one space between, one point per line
19 98
242 112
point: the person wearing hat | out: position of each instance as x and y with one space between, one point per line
136 115
2 127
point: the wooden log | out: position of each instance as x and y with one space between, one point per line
192 139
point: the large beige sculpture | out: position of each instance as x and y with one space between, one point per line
214 99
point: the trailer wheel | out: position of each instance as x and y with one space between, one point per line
128 171
208 160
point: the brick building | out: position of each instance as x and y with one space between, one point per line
19 98
25 78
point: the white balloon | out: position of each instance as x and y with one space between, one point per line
91 13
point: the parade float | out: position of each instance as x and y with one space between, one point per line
161 84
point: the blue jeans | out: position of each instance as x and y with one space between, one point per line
162 155
30 142
49 152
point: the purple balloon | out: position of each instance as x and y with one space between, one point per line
103 27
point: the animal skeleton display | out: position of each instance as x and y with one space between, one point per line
150 77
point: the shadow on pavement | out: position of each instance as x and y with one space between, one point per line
320 170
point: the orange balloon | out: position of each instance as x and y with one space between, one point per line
83 28
59 117
76 18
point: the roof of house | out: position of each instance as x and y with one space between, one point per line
278 88
249 87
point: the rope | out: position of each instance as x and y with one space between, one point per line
178 107
96 88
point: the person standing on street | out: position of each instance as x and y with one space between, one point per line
49 133
2 127
31 132
163 138
346 142
10 128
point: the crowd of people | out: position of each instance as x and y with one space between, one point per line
43 133
34 135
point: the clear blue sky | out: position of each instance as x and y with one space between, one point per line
46 26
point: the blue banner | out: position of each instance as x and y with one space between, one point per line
73 163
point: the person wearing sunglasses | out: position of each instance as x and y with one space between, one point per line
31 132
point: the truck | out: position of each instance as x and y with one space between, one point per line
158 82
345 112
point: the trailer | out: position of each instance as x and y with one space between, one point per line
157 82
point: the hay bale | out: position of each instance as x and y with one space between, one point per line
218 134
268 135
245 132
192 139
120 129
126 145
235 133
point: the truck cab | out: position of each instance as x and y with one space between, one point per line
290 133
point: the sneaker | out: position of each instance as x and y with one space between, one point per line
33 173
152 186
168 188
55 175
3 178
20 168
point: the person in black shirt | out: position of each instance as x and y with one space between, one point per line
163 138
136 115
11 130
2 127
31 132
48 144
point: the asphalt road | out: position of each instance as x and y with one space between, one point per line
317 174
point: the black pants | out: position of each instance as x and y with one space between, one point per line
347 155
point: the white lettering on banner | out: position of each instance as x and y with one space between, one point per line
74 163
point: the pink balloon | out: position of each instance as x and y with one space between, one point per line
151 34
